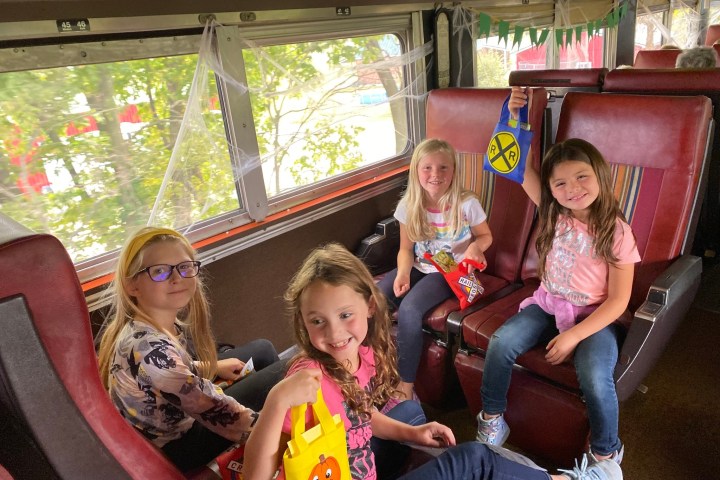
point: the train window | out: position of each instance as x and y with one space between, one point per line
495 60
650 30
97 139
85 150
325 108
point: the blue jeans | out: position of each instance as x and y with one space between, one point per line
390 455
426 292
473 461
595 359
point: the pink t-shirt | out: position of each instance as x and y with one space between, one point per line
574 271
358 430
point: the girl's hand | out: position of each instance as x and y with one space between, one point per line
300 387
401 285
518 99
474 252
230 368
433 434
561 347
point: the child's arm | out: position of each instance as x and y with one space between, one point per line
620 278
431 434
531 182
263 449
482 239
405 260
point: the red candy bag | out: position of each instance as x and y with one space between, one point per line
466 286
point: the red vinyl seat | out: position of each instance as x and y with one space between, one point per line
558 83
656 58
712 35
466 118
684 82
658 158
57 416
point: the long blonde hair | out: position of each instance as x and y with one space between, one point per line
335 265
196 315
604 211
418 227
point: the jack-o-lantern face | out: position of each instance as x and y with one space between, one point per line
327 469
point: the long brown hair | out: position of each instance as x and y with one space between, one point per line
335 265
124 308
604 211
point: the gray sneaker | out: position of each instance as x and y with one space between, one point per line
606 469
493 432
616 457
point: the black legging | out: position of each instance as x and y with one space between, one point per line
198 446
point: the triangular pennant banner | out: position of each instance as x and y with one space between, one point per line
503 31
623 10
543 36
559 37
568 36
578 33
611 19
590 29
598 25
517 35
484 23
532 32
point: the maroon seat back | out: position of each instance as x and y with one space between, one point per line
658 156
466 118
656 58
558 83
712 35
684 82
51 389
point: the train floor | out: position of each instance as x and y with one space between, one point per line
673 430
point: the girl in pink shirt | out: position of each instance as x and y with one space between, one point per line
587 253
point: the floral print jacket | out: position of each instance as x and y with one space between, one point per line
155 386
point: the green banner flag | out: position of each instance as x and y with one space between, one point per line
578 33
623 10
568 36
590 29
598 25
611 19
503 31
543 36
517 35
559 37
484 23
533 36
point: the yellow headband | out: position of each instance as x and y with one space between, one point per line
138 242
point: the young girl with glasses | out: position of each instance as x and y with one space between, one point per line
157 356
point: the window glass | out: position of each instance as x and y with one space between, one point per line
324 108
84 151
648 31
496 59
586 53
685 27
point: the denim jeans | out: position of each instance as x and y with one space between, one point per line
426 292
595 359
473 461
390 455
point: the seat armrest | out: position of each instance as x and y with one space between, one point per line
455 319
668 300
379 250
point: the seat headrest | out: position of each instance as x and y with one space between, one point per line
656 58
712 35
580 77
11 230
663 80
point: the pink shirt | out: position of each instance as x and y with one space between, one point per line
358 430
574 271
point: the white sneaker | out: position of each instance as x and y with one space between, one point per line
492 432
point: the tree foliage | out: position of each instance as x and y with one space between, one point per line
84 149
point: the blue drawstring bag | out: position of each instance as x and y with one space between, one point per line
509 145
